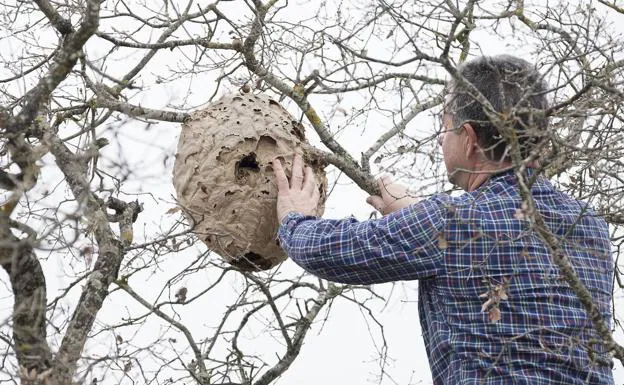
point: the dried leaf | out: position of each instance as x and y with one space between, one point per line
8 207
494 314
486 305
44 376
173 210
127 235
181 294
442 242
87 253
500 293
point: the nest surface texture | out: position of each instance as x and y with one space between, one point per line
224 180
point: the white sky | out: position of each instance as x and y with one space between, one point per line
339 351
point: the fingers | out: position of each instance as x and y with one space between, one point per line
296 179
383 183
316 194
380 203
280 176
309 184
375 201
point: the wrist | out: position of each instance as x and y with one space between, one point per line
287 214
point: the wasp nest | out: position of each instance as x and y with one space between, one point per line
224 180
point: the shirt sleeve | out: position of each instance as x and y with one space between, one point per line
401 246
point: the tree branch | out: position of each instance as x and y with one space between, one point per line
352 169
375 81
142 112
64 61
203 42
60 23
203 372
299 336
400 127
30 299
106 268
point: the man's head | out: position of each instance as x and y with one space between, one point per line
478 137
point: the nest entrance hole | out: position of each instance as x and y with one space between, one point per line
252 262
249 162
245 166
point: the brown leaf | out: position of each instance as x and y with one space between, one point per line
127 235
500 293
494 314
442 242
86 251
487 304
173 210
181 294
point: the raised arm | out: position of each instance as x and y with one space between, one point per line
400 246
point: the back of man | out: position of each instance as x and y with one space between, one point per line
494 306
500 312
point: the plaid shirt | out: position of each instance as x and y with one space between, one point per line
477 258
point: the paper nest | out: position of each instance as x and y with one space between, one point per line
224 180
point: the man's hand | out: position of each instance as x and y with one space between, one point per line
393 197
301 194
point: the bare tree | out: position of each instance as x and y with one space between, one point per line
91 91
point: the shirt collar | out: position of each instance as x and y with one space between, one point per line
507 176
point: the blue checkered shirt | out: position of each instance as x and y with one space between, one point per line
477 259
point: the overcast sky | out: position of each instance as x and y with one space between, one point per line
345 349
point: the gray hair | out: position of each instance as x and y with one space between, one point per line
514 88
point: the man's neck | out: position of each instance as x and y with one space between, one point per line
483 172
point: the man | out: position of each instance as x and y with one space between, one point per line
494 308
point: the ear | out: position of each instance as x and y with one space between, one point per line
471 143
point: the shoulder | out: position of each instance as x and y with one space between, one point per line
439 208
